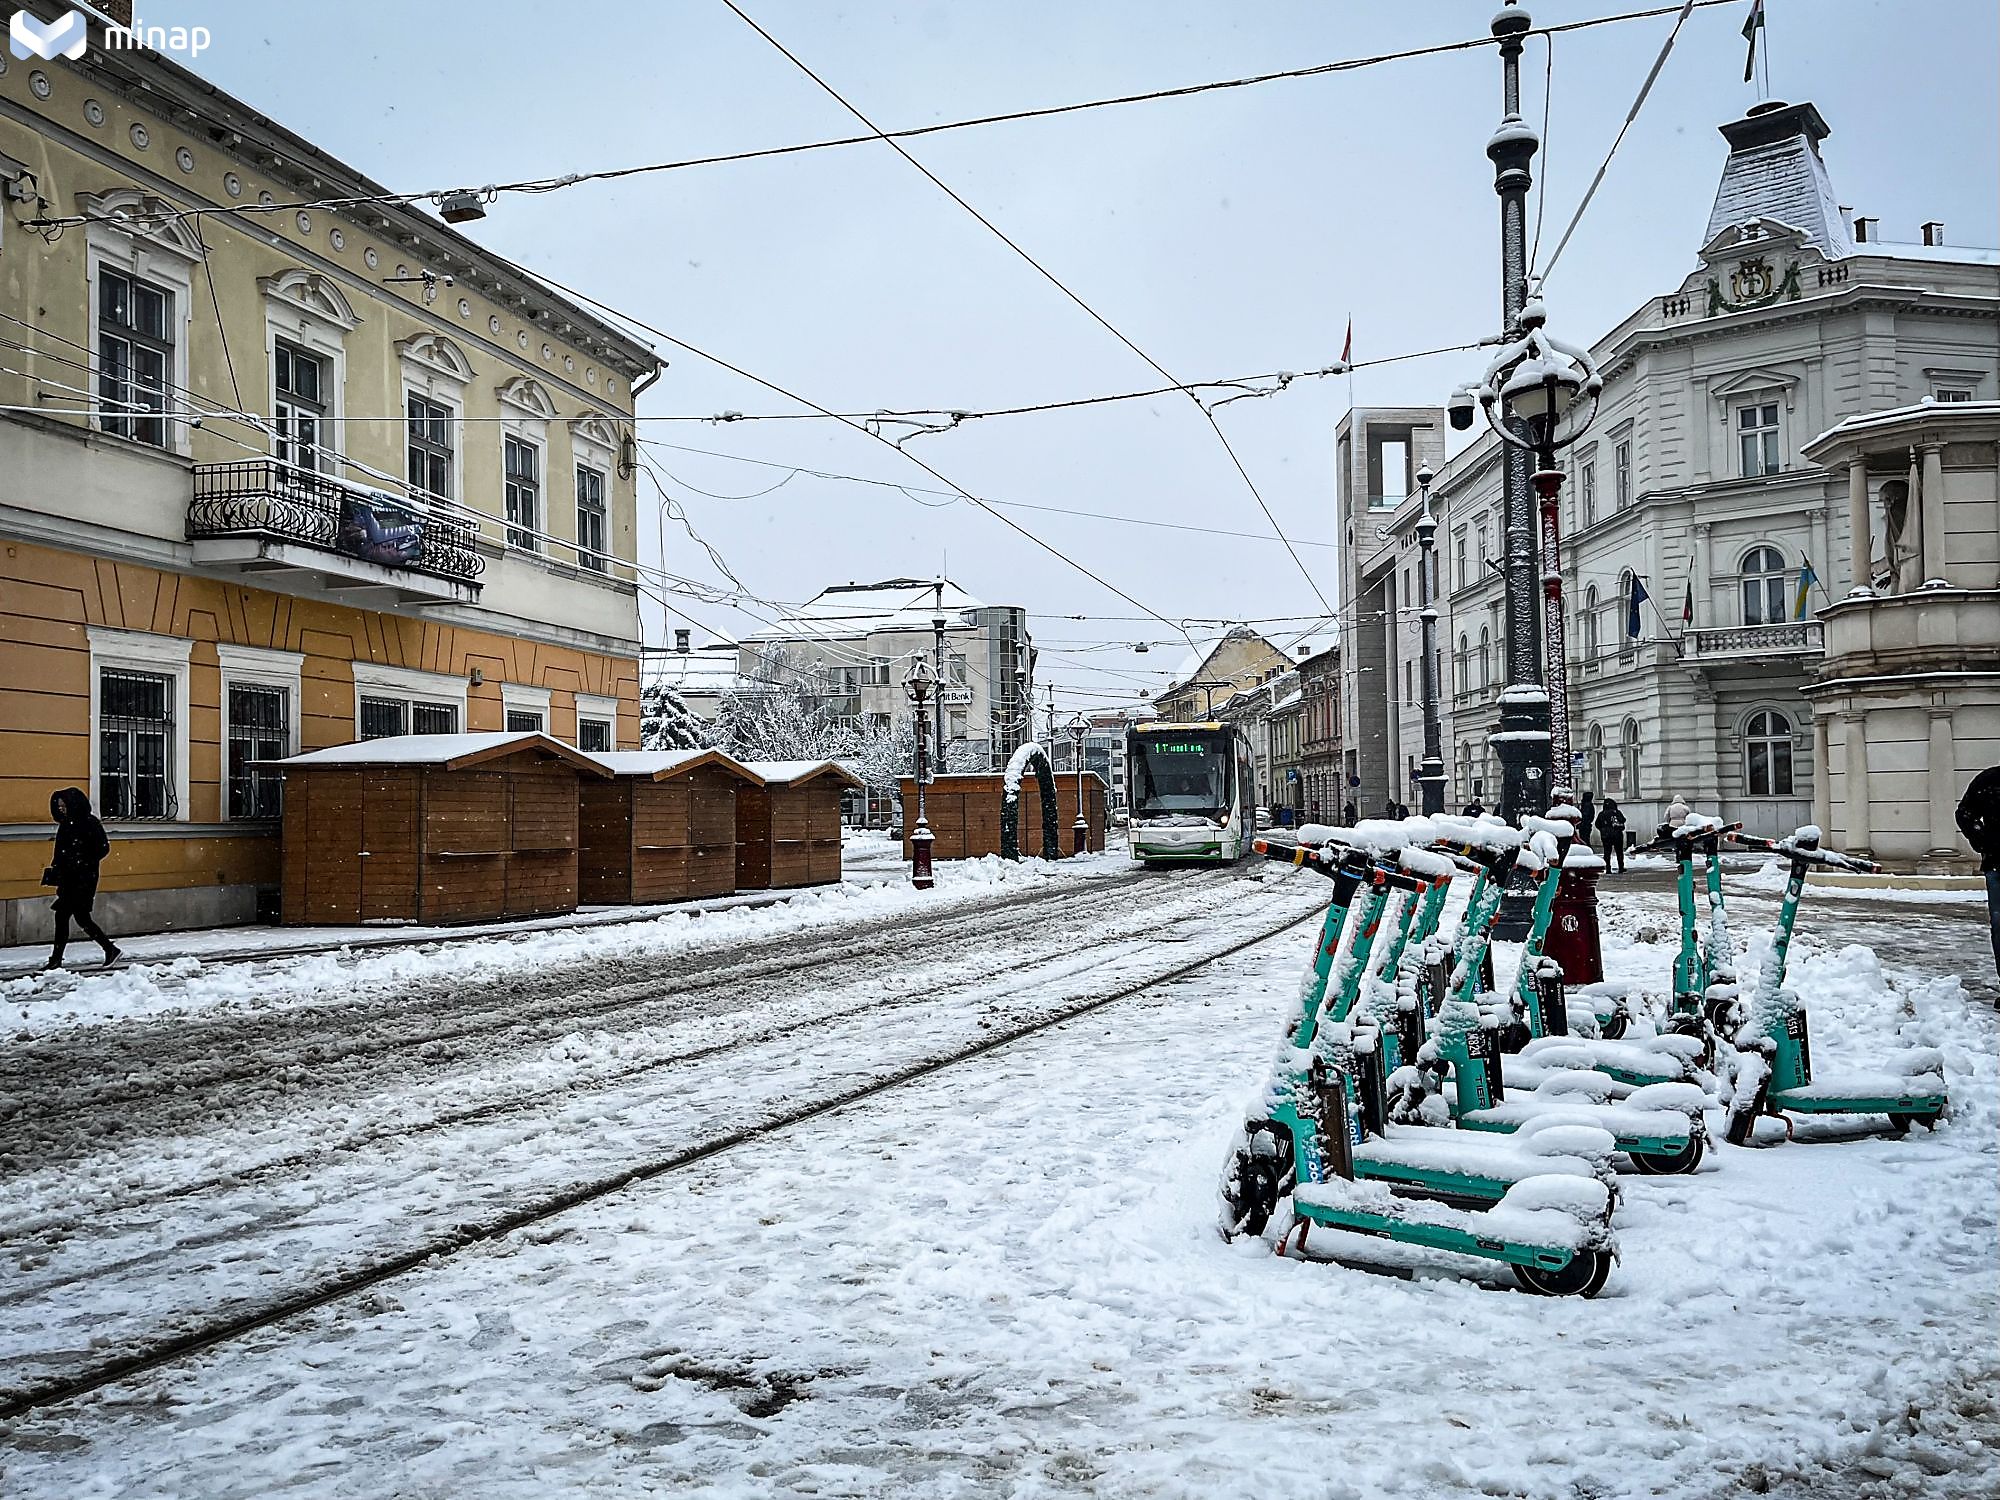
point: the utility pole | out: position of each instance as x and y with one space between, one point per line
937 629
1430 775
1523 731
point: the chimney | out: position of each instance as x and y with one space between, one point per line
681 642
1867 231
1934 232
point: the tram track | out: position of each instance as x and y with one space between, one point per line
115 1072
141 1357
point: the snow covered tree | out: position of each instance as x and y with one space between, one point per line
667 723
783 716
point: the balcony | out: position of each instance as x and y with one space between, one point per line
263 516
1791 638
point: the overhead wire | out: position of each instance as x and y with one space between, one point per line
1208 415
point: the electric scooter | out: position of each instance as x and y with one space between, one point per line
1774 1064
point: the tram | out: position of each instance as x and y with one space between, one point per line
1192 793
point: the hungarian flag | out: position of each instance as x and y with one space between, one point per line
1687 606
1807 578
1347 347
1751 27
1633 628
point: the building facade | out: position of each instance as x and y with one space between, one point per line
854 643
1206 679
1701 524
271 482
1321 777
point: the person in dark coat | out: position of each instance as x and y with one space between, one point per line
1611 833
1349 814
1402 810
1979 821
80 848
1583 824
1473 809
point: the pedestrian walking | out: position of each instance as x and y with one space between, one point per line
1979 821
1349 814
80 848
1402 810
1473 809
1611 830
1583 823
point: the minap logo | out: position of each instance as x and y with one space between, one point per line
66 36
48 40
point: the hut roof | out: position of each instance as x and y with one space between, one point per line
659 763
450 751
798 772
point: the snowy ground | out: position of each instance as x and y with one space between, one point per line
998 1280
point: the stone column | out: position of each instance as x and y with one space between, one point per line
1854 789
1822 774
1943 787
1934 532
1859 524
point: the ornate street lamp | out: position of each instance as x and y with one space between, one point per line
1541 394
918 684
1079 729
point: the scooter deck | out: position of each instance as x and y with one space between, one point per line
1543 1221
1457 1164
1864 1094
1662 1059
1650 1132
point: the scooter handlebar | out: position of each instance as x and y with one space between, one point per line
1810 854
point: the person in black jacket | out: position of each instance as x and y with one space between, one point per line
1585 824
1979 821
80 849
1611 834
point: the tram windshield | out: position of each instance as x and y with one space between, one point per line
1186 773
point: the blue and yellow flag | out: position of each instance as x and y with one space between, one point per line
1807 578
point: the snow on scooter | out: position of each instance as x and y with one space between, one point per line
1315 1142
1657 1125
1774 1072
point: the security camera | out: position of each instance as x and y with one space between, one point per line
194 422
1461 407
448 281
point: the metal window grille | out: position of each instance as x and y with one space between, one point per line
430 453
135 732
524 494
590 518
259 730
433 718
383 718
135 356
523 721
593 734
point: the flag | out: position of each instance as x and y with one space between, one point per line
1639 596
1751 27
1807 578
1347 347
1687 605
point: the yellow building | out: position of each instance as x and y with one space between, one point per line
272 481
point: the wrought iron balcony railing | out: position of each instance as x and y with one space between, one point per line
272 501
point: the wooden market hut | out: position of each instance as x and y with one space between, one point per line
963 809
788 826
432 828
663 828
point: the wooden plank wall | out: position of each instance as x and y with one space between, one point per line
964 814
607 829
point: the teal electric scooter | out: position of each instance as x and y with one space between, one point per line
1774 1072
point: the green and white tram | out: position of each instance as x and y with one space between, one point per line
1192 794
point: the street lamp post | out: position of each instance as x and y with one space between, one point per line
1430 775
1079 729
918 685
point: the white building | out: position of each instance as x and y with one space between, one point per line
855 643
1695 483
703 675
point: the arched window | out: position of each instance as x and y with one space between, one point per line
1628 755
1464 772
1596 742
1627 642
1763 586
1767 754
1485 657
1590 624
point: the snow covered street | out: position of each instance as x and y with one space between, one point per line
998 1278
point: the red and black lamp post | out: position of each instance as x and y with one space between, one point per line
919 684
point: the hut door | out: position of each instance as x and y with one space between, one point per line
332 877
388 838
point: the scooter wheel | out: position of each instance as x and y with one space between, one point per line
1584 1276
1614 1028
1901 1123
1670 1163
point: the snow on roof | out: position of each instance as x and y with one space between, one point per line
712 669
1927 410
856 609
793 772
437 750
665 762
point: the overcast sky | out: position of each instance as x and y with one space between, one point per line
1227 234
